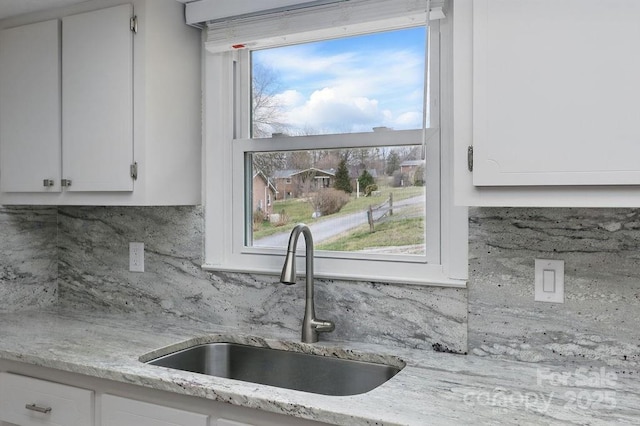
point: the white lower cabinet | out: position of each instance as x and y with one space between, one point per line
57 398
26 401
118 411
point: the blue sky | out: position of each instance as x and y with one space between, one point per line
351 84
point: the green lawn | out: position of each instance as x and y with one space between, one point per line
389 233
362 203
299 210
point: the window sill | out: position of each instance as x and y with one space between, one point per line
434 280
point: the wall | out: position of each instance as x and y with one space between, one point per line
28 258
598 321
93 273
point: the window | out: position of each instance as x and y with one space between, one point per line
346 124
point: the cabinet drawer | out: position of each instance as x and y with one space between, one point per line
26 402
118 411
225 422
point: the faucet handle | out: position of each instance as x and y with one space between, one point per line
322 326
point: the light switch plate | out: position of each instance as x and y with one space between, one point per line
549 280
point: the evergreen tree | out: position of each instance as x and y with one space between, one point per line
343 182
365 179
419 176
393 163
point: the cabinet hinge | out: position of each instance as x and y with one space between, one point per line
470 158
133 24
134 171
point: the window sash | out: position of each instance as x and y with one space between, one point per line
428 137
243 174
339 141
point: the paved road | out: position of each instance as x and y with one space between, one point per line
329 228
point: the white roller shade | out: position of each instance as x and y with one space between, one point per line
201 11
333 20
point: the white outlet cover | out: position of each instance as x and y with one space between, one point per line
549 280
136 257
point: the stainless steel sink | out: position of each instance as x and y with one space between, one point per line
285 369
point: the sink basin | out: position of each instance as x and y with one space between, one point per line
285 369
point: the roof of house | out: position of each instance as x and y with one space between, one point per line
280 174
409 163
266 180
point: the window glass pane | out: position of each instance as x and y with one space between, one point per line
320 188
346 85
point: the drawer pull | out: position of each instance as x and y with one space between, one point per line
34 407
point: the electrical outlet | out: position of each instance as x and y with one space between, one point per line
136 257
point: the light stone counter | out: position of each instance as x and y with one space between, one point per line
434 388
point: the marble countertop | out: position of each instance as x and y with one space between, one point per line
434 388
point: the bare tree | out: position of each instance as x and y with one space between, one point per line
409 152
299 160
269 162
266 108
266 116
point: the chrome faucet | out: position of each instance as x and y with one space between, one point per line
311 326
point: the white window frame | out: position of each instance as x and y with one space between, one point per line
227 139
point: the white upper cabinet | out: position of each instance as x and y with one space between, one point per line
30 108
547 94
97 101
103 103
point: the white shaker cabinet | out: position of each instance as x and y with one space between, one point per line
547 95
115 110
97 101
30 137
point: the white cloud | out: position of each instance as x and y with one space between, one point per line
408 119
330 110
303 60
289 98
353 91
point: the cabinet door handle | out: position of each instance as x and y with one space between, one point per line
39 409
65 182
47 183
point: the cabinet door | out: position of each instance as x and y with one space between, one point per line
118 411
97 100
30 108
556 92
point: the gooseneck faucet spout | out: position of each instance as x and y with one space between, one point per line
311 326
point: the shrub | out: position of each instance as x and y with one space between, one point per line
259 216
282 218
365 179
369 189
329 201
